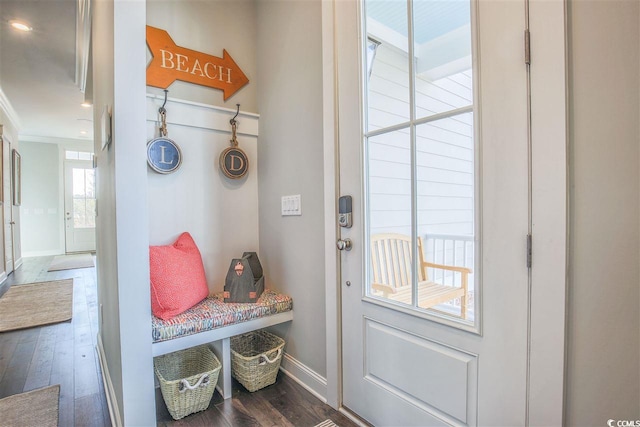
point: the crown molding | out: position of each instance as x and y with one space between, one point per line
55 140
6 106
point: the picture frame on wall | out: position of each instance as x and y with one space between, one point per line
105 128
16 169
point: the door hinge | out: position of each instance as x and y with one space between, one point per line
529 251
527 47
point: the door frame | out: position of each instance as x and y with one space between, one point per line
7 198
549 217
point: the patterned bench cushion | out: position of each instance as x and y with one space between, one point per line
214 313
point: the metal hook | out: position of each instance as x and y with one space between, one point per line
233 120
162 110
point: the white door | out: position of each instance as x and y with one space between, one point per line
437 151
80 206
7 205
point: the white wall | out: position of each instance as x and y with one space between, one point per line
41 212
603 372
290 153
122 222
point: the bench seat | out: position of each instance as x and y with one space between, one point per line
213 313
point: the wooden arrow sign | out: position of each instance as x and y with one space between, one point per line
171 63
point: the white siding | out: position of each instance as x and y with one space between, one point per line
444 155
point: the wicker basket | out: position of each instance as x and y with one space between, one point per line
187 379
255 359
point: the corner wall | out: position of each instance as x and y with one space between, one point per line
603 372
124 341
291 162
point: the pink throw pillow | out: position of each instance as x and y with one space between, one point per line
177 277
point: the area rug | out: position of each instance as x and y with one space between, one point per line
36 304
33 408
68 262
327 423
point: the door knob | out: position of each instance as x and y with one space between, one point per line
344 245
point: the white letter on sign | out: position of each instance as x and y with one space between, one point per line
228 74
233 163
206 70
162 159
197 67
166 59
181 60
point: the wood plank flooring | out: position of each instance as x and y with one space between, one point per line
284 404
65 354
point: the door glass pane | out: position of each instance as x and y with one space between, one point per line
389 196
421 179
388 63
442 42
84 198
445 214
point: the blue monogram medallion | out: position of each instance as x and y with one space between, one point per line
163 155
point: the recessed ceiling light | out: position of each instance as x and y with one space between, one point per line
83 132
86 105
20 26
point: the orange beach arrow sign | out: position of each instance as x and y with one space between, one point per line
171 63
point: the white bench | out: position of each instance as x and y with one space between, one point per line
393 271
206 331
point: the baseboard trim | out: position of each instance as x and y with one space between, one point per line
112 402
18 263
42 253
313 382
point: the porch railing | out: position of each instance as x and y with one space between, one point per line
450 249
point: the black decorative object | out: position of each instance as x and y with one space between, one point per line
245 279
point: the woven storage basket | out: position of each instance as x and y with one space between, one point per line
187 379
255 359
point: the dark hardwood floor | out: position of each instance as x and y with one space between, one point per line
284 404
65 354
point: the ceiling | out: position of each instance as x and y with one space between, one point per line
432 18
37 71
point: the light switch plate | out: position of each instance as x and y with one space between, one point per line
291 205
